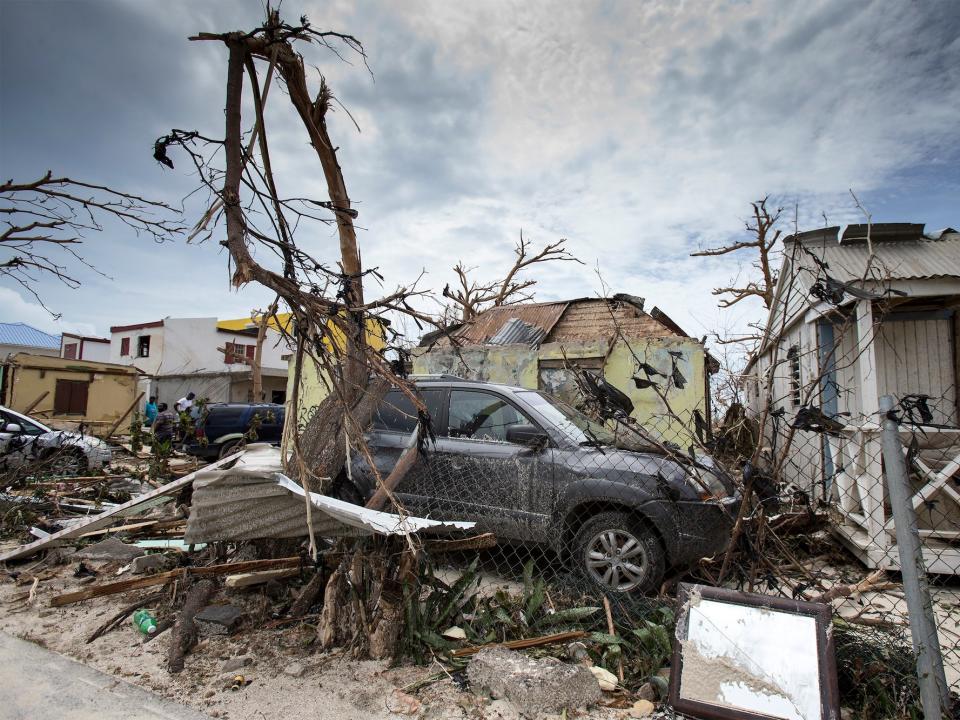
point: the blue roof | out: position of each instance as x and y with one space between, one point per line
23 334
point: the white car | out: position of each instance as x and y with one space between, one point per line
24 441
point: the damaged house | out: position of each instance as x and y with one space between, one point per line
854 319
530 345
202 355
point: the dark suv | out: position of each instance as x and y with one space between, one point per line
223 427
533 470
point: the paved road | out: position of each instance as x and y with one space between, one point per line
37 684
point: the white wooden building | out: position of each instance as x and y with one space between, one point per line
854 320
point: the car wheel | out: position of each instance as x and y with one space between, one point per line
229 448
618 553
66 463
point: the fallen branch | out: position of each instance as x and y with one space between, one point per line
185 629
841 591
163 578
523 644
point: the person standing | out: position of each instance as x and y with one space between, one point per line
150 410
185 403
166 425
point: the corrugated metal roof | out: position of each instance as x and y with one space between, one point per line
900 259
516 331
27 336
488 323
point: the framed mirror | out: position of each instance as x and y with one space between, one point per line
740 656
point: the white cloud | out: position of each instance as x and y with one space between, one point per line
637 130
15 308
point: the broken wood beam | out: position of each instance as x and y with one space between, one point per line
113 428
259 577
163 578
523 644
31 406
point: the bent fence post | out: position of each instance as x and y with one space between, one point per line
933 683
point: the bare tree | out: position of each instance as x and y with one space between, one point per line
765 235
331 316
45 220
473 297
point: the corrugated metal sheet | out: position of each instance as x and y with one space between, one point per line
487 324
254 500
27 336
517 332
906 259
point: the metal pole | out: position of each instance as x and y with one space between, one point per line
934 693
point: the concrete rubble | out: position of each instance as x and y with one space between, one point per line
533 687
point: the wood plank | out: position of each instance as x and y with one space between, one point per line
259 578
162 578
36 402
521 644
105 519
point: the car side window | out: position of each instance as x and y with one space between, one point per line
26 428
482 416
397 412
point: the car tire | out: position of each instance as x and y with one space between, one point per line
66 463
229 448
617 553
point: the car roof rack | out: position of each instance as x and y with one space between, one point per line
439 376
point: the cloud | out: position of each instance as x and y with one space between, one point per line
639 131
18 309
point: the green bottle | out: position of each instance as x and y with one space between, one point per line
145 622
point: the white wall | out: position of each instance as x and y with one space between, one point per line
191 345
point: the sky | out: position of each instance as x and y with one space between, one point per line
638 131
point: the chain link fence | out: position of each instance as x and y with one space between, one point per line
587 510
837 465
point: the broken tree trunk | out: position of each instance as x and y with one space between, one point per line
363 600
184 633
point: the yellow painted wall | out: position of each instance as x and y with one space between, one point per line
519 365
112 389
313 385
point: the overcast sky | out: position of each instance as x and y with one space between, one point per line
640 131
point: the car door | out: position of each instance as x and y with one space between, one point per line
392 425
476 473
16 448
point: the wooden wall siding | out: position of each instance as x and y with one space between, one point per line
918 356
848 369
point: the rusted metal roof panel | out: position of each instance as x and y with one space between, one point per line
483 327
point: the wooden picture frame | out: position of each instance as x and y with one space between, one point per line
826 661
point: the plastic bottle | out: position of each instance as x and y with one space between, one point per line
145 622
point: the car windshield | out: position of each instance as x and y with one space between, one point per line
577 426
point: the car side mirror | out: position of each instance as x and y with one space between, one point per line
529 435
12 428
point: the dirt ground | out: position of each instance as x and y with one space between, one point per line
286 678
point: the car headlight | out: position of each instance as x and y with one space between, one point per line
708 484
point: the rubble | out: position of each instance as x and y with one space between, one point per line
218 619
534 687
150 564
110 549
